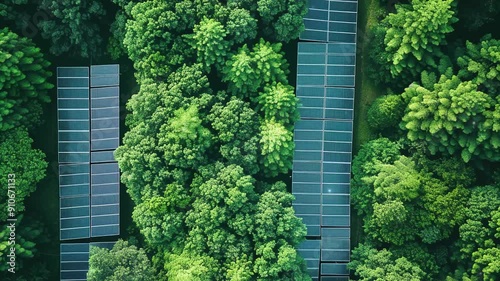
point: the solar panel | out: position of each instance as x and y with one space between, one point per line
74 259
75 217
73 114
105 75
325 65
331 21
105 120
310 252
105 199
102 156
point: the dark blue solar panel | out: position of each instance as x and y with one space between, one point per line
105 199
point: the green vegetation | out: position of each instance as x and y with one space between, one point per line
210 139
23 81
24 88
426 189
210 130
123 262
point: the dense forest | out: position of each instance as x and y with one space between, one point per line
208 147
427 186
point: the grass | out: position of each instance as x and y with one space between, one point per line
366 91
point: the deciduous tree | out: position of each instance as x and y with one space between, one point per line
23 81
277 148
73 26
123 262
27 165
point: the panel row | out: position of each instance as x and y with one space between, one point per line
105 122
89 200
331 21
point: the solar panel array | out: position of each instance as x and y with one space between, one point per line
323 136
331 21
105 199
74 192
88 136
73 114
74 259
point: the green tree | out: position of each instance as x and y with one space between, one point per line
23 81
118 28
123 262
278 102
410 204
282 19
183 139
412 39
145 169
161 218
481 65
190 267
209 42
247 72
365 164
237 130
386 112
250 236
452 117
277 232
373 265
277 148
240 25
27 234
152 39
487 263
479 241
27 165
73 26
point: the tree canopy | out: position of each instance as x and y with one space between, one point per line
123 262
23 81
73 26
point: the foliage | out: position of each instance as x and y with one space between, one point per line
209 42
27 164
183 139
371 154
27 233
386 112
371 264
145 170
123 262
23 81
282 19
479 241
277 148
73 26
161 218
239 24
248 71
410 204
412 37
237 130
152 40
453 117
481 65
193 155
247 235
278 102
